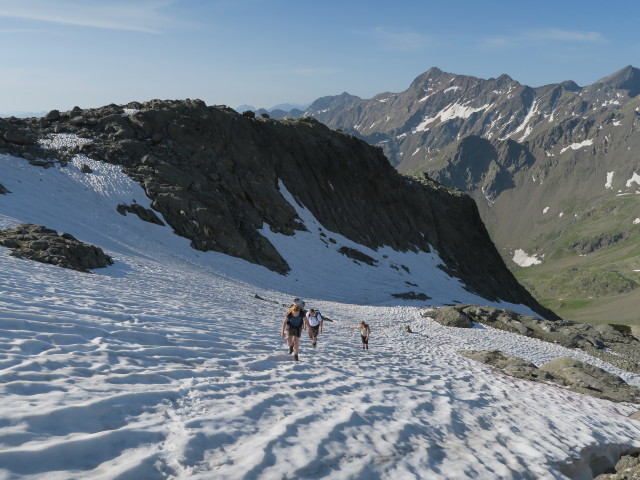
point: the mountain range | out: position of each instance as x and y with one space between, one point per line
554 171
165 358
217 177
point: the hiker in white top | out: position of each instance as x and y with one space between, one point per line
314 322
365 331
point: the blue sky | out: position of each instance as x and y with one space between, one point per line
62 53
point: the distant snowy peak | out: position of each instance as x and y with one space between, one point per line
488 136
331 103
627 79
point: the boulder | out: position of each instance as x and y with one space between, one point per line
35 242
18 137
450 317
627 468
52 116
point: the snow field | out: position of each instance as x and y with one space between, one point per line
167 365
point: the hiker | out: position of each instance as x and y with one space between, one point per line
314 323
365 331
294 323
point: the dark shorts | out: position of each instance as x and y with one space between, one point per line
294 331
365 340
313 331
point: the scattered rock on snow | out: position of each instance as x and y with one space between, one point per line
411 295
145 214
568 373
601 341
507 364
591 380
41 244
450 317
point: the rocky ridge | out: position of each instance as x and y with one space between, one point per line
215 176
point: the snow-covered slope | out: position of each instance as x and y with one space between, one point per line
169 364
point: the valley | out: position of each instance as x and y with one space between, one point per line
553 170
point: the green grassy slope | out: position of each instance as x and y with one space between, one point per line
591 269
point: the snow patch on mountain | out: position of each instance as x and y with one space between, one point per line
520 257
525 123
424 99
577 146
635 178
454 110
609 180
62 141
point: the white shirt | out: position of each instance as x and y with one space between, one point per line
315 320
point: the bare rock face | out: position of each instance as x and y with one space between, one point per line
41 244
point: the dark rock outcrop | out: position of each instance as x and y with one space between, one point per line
357 255
216 177
601 341
568 373
144 214
451 317
42 244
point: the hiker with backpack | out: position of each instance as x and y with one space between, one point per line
365 331
314 323
294 322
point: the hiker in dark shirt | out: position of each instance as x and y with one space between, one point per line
293 322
